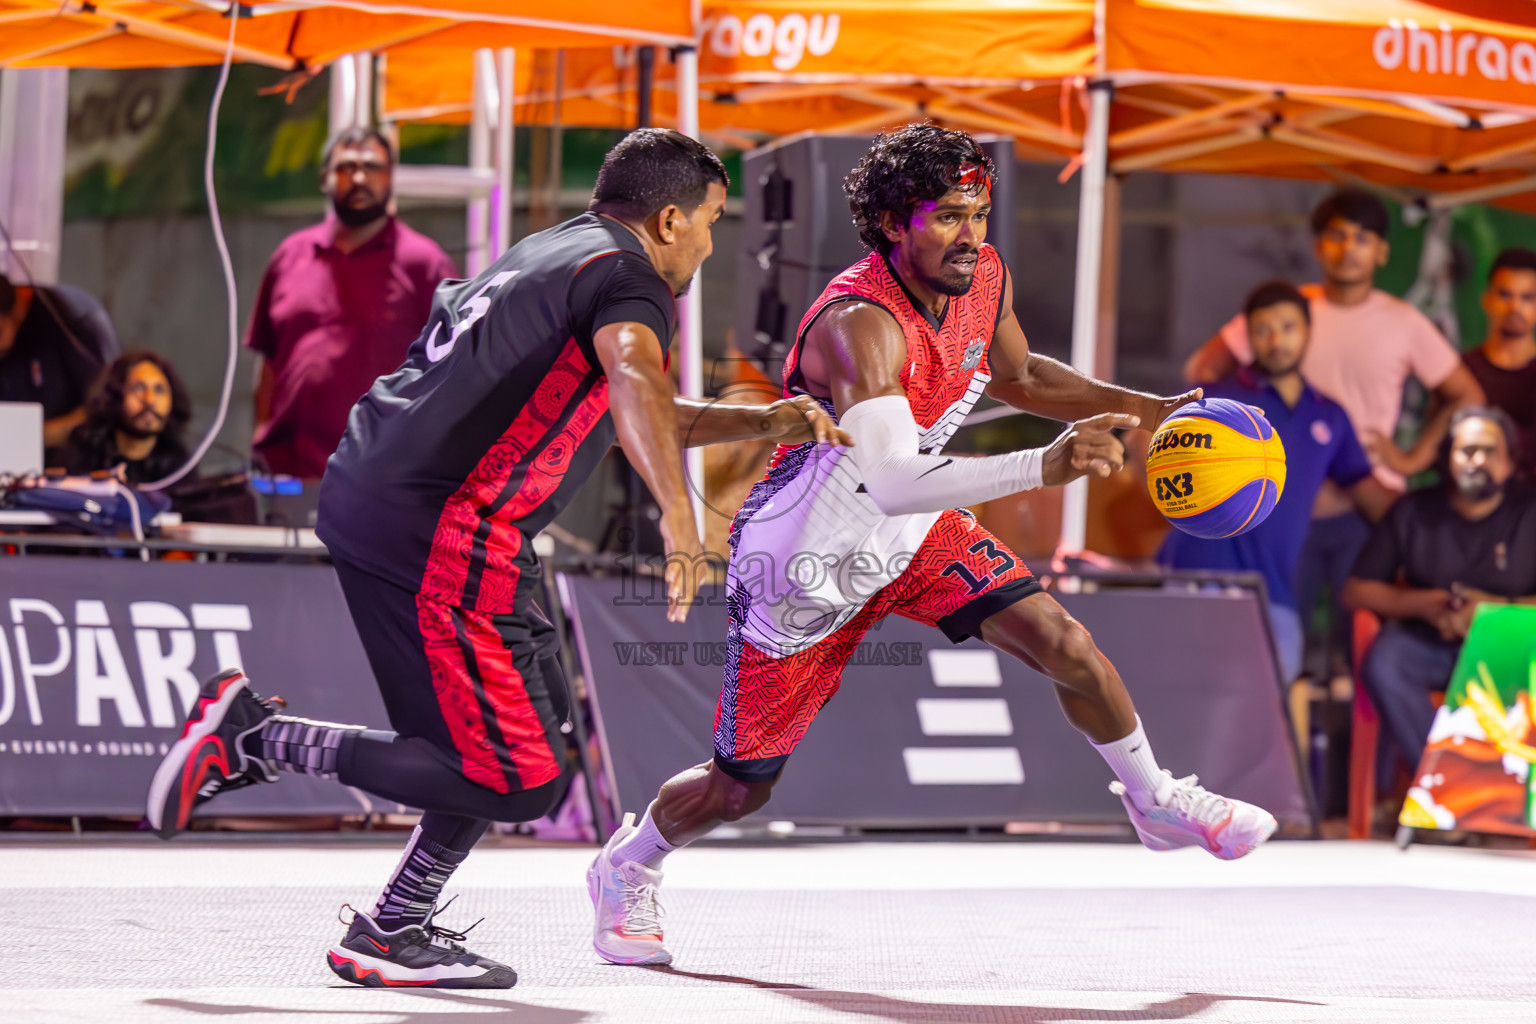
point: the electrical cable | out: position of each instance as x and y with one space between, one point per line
225 263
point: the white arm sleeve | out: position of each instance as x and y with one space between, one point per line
900 480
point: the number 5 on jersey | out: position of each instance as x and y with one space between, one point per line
475 306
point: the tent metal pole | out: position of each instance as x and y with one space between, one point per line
645 82
1451 200
363 75
343 105
34 110
1085 299
477 227
506 82
691 309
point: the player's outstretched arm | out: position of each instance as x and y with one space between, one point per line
640 398
860 352
1049 387
788 421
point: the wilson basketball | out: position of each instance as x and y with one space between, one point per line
1216 468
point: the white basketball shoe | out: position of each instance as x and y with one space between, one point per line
1191 815
624 899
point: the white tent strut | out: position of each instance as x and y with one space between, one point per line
691 310
1085 298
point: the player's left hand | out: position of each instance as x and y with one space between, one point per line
1161 408
802 418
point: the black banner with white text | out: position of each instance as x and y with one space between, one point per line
100 658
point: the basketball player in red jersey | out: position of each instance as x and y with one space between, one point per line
899 347
519 383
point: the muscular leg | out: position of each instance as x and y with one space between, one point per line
693 802
1039 632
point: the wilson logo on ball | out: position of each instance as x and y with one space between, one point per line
1186 439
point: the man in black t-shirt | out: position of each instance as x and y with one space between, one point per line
1505 363
519 382
1437 555
54 340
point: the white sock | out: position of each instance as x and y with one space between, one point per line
1133 763
644 845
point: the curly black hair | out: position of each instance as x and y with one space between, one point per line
917 163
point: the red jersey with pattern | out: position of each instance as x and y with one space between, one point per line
498 416
947 364
813 499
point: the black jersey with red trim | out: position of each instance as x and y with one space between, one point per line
498 415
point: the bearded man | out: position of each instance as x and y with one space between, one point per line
1439 554
339 306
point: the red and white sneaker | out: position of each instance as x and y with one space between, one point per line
414 956
209 759
1191 815
628 929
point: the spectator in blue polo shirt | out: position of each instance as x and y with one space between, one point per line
1320 444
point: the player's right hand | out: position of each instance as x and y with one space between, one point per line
685 563
1087 446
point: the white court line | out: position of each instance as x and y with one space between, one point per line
963 766
965 668
964 716
843 866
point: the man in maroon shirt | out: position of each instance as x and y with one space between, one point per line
339 305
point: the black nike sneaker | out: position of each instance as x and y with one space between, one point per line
209 758
416 956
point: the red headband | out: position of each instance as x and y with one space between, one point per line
970 174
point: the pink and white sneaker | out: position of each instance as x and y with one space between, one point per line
624 898
1188 814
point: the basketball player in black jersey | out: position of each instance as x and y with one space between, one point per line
519 382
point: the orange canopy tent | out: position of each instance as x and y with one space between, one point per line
1439 97
312 33
773 67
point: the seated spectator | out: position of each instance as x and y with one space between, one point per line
1320 446
1504 364
339 306
53 343
1439 553
134 419
1365 345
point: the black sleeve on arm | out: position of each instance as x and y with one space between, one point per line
618 288
1382 557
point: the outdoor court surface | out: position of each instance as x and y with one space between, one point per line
948 933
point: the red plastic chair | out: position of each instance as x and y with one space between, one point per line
1365 729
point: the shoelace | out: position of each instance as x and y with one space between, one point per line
1195 802
446 938
642 909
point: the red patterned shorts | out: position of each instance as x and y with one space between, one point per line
958 577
